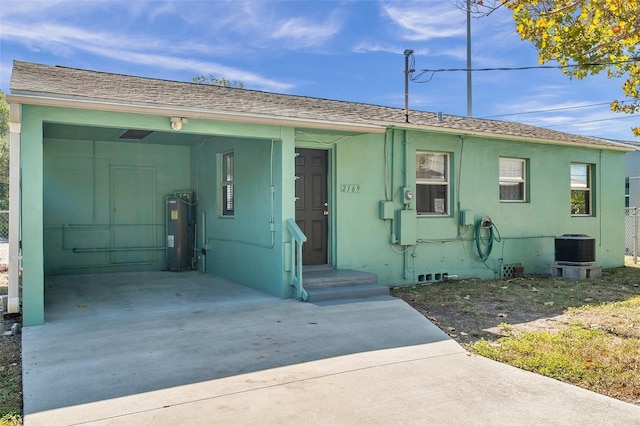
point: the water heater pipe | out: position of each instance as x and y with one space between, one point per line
203 252
195 246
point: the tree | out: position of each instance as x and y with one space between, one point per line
4 152
216 81
599 35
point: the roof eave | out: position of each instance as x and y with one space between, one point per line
510 137
239 117
192 113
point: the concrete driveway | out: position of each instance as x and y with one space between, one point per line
185 348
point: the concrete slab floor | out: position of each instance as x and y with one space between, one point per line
186 348
112 335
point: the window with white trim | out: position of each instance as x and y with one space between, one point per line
581 194
432 183
512 180
227 186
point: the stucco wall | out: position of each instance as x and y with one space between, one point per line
105 195
77 183
248 246
527 229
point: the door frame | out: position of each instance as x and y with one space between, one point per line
331 196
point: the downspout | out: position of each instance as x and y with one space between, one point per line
599 211
393 170
389 191
13 302
405 154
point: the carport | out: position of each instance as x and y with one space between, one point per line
94 187
104 195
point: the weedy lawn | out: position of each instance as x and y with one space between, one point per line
582 332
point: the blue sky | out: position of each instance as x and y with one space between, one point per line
347 50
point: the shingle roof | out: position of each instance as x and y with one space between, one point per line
71 83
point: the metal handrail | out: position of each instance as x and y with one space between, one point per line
296 260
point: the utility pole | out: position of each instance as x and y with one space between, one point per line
469 96
407 53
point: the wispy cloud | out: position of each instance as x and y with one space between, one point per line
375 47
37 10
421 21
53 36
197 67
68 41
300 32
239 27
277 25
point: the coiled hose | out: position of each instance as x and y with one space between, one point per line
485 245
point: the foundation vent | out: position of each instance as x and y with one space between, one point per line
512 270
433 278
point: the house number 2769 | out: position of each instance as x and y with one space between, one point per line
350 187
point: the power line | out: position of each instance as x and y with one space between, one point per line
590 121
551 110
589 64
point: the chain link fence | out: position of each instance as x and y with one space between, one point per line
4 237
632 233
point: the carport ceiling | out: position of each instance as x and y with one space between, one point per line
91 133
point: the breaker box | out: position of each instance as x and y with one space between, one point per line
386 209
406 227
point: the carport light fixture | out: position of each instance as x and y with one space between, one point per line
177 122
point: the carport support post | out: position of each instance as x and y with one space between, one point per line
31 214
13 302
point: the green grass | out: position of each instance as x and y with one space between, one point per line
583 332
10 417
591 358
10 380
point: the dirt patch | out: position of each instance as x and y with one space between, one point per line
469 310
10 373
10 361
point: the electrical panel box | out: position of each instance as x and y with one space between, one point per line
406 231
386 209
466 217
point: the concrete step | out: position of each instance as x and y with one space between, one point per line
326 283
359 291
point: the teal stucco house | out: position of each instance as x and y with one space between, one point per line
261 175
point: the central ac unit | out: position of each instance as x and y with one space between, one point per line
575 249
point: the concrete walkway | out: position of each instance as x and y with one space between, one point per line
184 348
